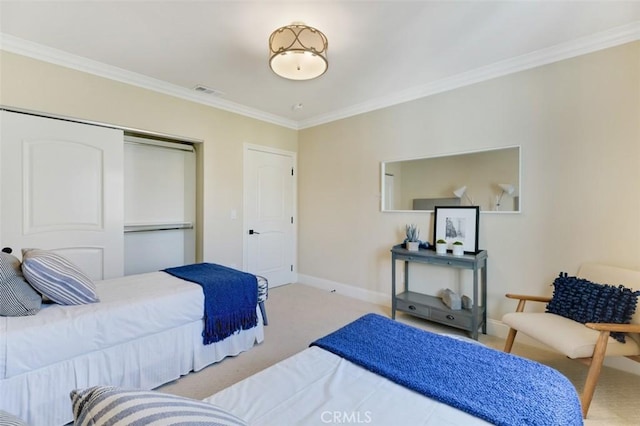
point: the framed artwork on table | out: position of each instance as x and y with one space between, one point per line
457 223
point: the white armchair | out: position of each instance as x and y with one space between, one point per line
588 343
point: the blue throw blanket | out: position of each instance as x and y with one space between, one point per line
230 298
495 386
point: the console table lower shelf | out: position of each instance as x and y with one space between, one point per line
433 309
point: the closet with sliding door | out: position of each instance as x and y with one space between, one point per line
113 201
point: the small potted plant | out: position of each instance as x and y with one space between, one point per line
458 248
412 243
441 246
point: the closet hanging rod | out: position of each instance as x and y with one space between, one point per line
158 227
135 140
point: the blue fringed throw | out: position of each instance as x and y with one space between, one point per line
230 298
500 388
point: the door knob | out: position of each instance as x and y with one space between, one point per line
251 232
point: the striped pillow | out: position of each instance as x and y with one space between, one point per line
57 278
8 419
17 297
108 405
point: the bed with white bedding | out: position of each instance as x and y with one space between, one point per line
145 331
397 375
317 387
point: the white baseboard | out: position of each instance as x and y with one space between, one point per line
346 290
494 327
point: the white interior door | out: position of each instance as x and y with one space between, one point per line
269 206
61 190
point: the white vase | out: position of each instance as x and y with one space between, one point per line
413 245
441 248
458 250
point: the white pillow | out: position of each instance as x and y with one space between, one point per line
57 278
108 405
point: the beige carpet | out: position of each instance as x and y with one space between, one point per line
299 314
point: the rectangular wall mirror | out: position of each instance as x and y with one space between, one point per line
488 178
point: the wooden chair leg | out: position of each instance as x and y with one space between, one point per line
510 338
594 372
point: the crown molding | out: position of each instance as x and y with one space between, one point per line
602 40
47 54
599 41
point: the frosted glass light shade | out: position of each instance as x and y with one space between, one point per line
298 52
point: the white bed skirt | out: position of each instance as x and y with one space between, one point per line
41 397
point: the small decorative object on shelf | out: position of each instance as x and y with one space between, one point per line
441 246
467 303
458 248
451 299
412 243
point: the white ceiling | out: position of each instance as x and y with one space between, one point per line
380 53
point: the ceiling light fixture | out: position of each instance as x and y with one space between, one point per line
298 52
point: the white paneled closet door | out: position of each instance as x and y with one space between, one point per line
62 189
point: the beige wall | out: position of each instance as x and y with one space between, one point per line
39 86
578 123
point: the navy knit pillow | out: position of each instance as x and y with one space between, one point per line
584 301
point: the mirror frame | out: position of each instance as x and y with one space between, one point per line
518 191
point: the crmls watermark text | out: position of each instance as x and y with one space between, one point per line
346 417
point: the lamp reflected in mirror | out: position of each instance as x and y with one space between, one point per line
421 183
507 189
462 192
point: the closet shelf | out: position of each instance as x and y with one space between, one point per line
157 227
